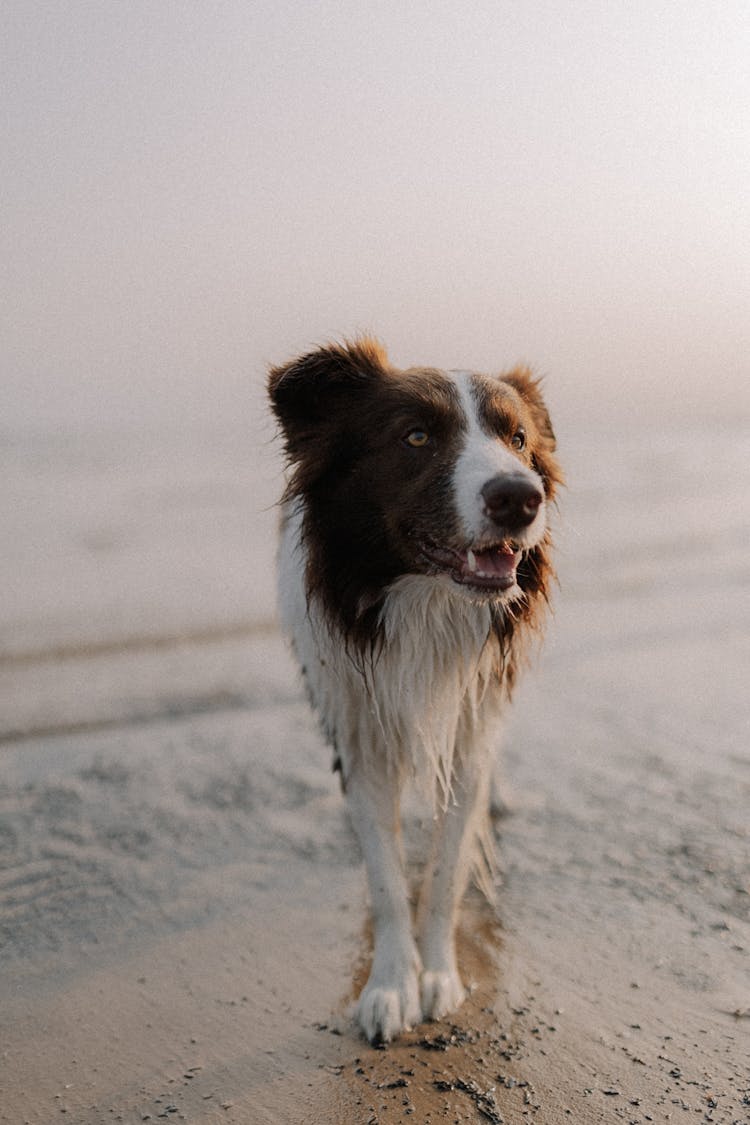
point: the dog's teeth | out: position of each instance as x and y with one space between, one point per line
471 559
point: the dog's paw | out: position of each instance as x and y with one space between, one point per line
383 1013
442 992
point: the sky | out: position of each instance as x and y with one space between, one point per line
193 190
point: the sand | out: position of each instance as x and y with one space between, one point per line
183 914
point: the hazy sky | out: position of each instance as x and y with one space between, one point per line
191 190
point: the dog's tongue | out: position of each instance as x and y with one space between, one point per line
494 568
498 562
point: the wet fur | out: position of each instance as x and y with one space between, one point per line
407 670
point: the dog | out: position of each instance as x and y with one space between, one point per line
414 566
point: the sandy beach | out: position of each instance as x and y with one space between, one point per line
183 918
194 194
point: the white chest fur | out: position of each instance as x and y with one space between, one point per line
430 690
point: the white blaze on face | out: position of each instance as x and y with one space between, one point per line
482 458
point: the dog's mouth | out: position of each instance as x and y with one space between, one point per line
485 567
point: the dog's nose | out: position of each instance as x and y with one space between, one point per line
511 501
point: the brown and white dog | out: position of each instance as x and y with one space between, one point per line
414 563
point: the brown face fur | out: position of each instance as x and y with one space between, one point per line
370 497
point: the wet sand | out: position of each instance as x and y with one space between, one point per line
182 909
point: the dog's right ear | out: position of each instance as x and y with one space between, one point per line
305 392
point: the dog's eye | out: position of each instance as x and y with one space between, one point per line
417 438
519 439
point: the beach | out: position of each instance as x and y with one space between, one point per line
183 912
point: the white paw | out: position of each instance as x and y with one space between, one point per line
442 992
384 1012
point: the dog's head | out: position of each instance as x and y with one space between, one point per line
444 474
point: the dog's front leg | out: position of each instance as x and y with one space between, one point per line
389 1002
458 834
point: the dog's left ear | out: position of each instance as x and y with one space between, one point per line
529 388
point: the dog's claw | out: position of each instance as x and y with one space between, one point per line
442 993
383 1013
